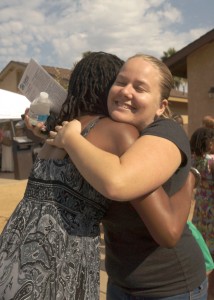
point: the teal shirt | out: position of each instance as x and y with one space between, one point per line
202 244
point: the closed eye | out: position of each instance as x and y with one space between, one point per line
140 89
120 83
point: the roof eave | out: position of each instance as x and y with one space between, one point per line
177 63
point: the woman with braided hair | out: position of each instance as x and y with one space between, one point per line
49 249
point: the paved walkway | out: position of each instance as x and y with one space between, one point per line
11 192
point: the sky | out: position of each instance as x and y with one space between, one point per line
57 32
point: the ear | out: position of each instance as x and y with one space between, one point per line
162 108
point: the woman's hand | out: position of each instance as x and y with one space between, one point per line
38 129
64 133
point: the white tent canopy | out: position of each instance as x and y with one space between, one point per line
12 105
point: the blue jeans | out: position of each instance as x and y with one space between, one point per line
116 293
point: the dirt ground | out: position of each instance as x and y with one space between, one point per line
11 192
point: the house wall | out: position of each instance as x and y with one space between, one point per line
200 74
11 80
179 108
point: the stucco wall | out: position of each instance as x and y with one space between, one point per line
10 81
200 67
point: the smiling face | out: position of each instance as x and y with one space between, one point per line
135 96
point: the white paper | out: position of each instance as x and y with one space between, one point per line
36 79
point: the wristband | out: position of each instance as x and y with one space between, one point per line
197 175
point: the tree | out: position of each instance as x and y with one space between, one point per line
178 81
168 53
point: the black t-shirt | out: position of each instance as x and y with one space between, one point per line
134 261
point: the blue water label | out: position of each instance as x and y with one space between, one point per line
42 118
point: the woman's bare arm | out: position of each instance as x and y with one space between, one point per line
137 172
166 217
117 138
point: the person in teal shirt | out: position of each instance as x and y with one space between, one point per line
201 242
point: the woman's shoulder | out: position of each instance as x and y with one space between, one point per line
118 126
164 123
167 128
115 137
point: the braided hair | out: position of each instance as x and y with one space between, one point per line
200 140
89 85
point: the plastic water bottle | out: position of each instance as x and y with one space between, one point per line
40 109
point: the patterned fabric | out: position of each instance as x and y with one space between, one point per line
49 248
204 209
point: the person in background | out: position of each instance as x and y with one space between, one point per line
196 233
178 118
201 242
202 148
144 260
208 121
7 163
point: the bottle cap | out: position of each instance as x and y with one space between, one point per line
44 95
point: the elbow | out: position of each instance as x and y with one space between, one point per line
169 243
115 190
169 239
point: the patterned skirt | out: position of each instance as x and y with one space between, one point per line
49 249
